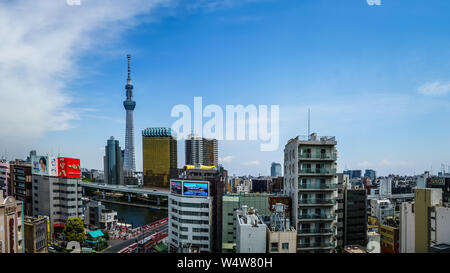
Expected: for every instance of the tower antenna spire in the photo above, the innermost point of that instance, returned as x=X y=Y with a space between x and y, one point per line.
x=309 y=121
x=129 y=66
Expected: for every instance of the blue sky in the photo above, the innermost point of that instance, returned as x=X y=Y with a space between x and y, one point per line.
x=376 y=77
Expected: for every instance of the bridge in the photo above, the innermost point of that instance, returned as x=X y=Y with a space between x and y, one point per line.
x=151 y=234
x=158 y=193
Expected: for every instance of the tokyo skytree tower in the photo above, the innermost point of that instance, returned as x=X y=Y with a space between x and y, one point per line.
x=129 y=162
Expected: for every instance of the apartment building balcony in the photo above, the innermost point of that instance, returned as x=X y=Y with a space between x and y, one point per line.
x=317 y=171
x=317 y=186
x=315 y=232
x=315 y=245
x=318 y=156
x=316 y=217
x=317 y=202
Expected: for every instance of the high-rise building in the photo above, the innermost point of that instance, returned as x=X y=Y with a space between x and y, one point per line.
x=129 y=104
x=310 y=180
x=275 y=169
x=58 y=195
x=20 y=185
x=424 y=199
x=159 y=154
x=4 y=177
x=343 y=185
x=355 y=217
x=201 y=151
x=190 y=216
x=353 y=174
x=11 y=225
x=113 y=163
x=217 y=178
x=371 y=174
x=251 y=233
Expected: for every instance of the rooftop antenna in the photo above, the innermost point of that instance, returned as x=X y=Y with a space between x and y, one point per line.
x=309 y=121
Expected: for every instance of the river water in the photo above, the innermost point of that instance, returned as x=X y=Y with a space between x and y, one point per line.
x=136 y=216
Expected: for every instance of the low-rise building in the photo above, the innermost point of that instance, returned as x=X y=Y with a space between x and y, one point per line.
x=251 y=232
x=389 y=236
x=281 y=236
x=36 y=234
x=97 y=216
x=11 y=225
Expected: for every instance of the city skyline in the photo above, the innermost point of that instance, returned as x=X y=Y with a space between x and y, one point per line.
x=379 y=86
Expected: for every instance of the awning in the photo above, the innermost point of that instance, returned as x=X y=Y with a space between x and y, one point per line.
x=96 y=233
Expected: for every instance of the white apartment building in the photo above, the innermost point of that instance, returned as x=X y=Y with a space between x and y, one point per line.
x=311 y=181
x=407 y=227
x=439 y=225
x=250 y=232
x=381 y=209
x=189 y=221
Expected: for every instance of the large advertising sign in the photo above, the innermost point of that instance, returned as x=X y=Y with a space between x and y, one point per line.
x=436 y=181
x=273 y=200
x=175 y=187
x=44 y=165
x=69 y=167
x=195 y=188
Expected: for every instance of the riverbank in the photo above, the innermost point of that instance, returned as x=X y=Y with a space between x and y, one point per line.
x=133 y=204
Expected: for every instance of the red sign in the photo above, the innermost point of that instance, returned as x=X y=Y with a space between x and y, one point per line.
x=69 y=167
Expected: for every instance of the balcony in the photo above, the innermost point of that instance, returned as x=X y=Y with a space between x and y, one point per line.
x=317 y=231
x=318 y=156
x=318 y=186
x=315 y=245
x=313 y=171
x=317 y=201
x=324 y=216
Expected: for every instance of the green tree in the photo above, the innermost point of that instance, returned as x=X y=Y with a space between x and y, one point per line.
x=74 y=230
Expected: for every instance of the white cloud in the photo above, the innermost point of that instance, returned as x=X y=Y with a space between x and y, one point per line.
x=226 y=159
x=42 y=40
x=252 y=163
x=434 y=89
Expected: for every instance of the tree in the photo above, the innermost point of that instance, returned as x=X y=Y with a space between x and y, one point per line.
x=74 y=230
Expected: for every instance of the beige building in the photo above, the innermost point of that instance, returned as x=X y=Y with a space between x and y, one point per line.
x=282 y=241
x=36 y=234
x=424 y=199
x=11 y=227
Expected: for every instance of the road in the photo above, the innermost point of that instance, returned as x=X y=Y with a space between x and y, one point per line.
x=116 y=248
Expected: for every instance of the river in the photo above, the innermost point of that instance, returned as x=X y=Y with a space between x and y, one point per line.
x=136 y=216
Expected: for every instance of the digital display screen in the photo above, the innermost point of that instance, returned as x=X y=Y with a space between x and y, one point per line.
x=175 y=187
x=195 y=189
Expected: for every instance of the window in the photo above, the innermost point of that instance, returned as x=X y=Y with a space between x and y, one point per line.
x=285 y=246
x=273 y=246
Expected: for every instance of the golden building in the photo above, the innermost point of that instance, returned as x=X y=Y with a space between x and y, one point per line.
x=159 y=154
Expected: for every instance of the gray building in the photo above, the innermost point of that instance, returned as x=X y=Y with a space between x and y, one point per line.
x=310 y=180
x=201 y=151
x=275 y=169
x=355 y=217
x=58 y=198
x=97 y=216
x=113 y=163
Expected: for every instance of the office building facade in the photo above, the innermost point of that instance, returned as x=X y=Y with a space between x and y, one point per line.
x=159 y=155
x=20 y=185
x=310 y=180
x=355 y=217
x=201 y=151
x=275 y=169
x=36 y=234
x=113 y=163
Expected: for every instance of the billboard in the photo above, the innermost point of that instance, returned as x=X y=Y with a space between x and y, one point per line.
x=44 y=165
x=175 y=187
x=69 y=167
x=436 y=181
x=195 y=188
